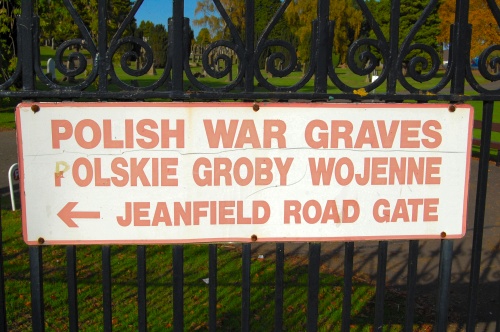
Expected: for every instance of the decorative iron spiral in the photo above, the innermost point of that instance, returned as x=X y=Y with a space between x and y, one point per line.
x=494 y=61
x=422 y=61
x=82 y=61
x=273 y=59
x=212 y=69
x=131 y=55
x=369 y=57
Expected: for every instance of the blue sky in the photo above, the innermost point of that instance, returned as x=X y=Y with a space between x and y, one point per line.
x=158 y=12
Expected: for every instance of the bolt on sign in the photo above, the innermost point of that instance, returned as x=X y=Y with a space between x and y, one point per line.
x=213 y=172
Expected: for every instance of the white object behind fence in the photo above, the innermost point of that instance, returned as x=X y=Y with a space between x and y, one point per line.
x=13 y=176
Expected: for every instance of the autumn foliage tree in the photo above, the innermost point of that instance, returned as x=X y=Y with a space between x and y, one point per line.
x=347 y=19
x=485 y=29
x=210 y=18
x=295 y=27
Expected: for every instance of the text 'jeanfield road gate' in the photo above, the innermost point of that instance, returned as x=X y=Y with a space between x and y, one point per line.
x=207 y=172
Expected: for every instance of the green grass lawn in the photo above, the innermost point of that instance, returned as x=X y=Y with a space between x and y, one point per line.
x=159 y=290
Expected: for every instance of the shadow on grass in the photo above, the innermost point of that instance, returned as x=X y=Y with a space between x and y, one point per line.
x=160 y=289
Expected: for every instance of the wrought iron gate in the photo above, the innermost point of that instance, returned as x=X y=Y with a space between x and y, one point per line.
x=249 y=51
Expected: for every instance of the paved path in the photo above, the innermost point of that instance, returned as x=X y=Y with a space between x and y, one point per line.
x=8 y=156
x=365 y=264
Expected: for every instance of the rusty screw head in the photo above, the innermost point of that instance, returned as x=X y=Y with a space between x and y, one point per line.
x=452 y=108
x=256 y=107
x=41 y=240
x=35 y=108
x=254 y=238
x=443 y=235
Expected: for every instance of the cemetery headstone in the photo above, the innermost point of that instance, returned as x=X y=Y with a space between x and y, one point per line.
x=51 y=69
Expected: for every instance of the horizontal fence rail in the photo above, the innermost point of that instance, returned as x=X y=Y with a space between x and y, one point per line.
x=247 y=64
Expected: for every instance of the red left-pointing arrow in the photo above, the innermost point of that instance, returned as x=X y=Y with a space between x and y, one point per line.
x=67 y=214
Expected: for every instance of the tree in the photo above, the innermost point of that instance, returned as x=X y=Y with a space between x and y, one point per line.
x=8 y=35
x=203 y=37
x=157 y=37
x=51 y=13
x=411 y=10
x=211 y=19
x=217 y=27
x=299 y=16
x=348 y=20
x=485 y=29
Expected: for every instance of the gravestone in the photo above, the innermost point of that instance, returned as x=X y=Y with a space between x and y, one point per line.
x=152 y=70
x=51 y=69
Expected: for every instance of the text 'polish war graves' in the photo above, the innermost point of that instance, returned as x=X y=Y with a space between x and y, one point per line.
x=188 y=172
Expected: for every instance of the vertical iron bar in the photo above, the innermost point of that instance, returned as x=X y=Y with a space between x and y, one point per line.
x=36 y=272
x=460 y=40
x=313 y=286
x=245 y=287
x=212 y=287
x=3 y=313
x=497 y=329
x=102 y=45
x=392 y=76
x=321 y=75
x=443 y=300
x=178 y=280
x=178 y=53
x=482 y=186
x=72 y=288
x=141 y=288
x=348 y=274
x=250 y=44
x=411 y=284
x=25 y=29
x=380 y=292
x=106 y=288
x=279 y=290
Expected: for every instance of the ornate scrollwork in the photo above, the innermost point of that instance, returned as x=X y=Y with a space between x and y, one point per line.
x=362 y=52
x=217 y=62
x=364 y=56
x=278 y=65
x=271 y=60
x=418 y=67
x=419 y=64
x=129 y=56
x=77 y=63
x=138 y=49
x=219 y=51
x=215 y=55
x=487 y=58
x=238 y=61
x=76 y=58
x=493 y=62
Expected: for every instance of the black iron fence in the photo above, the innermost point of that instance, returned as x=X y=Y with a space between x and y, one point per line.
x=248 y=64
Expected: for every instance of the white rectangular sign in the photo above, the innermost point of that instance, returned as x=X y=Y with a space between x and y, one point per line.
x=213 y=172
